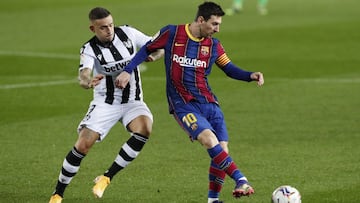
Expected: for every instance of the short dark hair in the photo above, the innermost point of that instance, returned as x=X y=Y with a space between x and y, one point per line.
x=207 y=9
x=98 y=13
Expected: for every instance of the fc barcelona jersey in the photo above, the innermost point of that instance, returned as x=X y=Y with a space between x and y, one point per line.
x=188 y=62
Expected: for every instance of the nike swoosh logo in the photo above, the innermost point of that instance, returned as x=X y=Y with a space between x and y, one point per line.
x=179 y=45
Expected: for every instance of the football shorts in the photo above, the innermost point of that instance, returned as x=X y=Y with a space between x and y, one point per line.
x=195 y=117
x=101 y=117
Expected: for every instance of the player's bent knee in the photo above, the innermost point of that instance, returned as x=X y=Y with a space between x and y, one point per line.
x=207 y=139
x=82 y=147
x=86 y=140
x=141 y=125
x=145 y=131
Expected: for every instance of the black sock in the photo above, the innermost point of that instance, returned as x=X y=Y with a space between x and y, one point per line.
x=70 y=167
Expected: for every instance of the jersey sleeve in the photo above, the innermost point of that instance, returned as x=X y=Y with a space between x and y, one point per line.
x=223 y=59
x=230 y=69
x=159 y=40
x=86 y=59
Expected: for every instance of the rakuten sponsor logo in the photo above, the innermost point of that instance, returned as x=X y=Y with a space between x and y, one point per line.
x=188 y=62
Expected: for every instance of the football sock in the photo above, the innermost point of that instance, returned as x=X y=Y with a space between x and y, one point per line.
x=216 y=181
x=128 y=152
x=224 y=162
x=70 y=167
x=212 y=200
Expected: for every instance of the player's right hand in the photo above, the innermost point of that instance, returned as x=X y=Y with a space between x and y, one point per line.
x=85 y=83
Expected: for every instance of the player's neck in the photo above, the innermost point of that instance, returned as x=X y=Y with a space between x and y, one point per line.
x=194 y=29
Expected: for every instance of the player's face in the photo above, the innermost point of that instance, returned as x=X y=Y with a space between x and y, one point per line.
x=211 y=26
x=103 y=29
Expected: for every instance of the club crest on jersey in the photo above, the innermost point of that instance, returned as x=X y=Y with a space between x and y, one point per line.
x=205 y=50
x=127 y=43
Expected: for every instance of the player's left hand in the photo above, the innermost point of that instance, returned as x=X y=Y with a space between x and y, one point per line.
x=258 y=76
x=122 y=80
x=96 y=80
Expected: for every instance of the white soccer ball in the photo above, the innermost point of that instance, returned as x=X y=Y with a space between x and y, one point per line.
x=286 y=194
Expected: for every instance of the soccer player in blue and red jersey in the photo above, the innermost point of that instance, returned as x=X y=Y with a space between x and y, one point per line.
x=190 y=52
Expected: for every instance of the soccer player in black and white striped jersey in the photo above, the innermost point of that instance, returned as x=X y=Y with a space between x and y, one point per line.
x=104 y=56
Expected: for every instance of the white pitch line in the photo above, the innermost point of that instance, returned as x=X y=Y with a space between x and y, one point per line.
x=38 y=84
x=322 y=80
x=338 y=80
x=39 y=54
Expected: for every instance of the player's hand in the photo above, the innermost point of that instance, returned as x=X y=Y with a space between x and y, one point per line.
x=85 y=83
x=96 y=80
x=258 y=76
x=122 y=80
x=88 y=83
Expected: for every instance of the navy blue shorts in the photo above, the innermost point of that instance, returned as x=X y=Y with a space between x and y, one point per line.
x=195 y=117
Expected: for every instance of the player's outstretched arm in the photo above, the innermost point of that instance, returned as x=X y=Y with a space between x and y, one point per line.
x=235 y=72
x=155 y=55
x=124 y=77
x=85 y=78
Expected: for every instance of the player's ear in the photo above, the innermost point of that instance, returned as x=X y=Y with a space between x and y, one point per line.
x=91 y=27
x=200 y=19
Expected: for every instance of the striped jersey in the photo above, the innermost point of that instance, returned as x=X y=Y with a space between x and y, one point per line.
x=188 y=62
x=110 y=59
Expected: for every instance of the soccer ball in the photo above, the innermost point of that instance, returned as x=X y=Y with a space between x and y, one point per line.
x=286 y=194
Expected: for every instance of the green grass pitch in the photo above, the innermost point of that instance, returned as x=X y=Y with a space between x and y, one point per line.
x=301 y=128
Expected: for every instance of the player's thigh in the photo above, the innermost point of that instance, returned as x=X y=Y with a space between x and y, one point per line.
x=192 y=121
x=217 y=121
x=137 y=118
